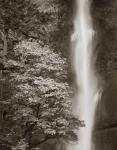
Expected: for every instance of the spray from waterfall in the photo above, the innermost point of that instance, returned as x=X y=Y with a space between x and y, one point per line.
x=87 y=95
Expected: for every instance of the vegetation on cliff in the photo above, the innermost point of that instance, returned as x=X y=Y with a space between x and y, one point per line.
x=35 y=94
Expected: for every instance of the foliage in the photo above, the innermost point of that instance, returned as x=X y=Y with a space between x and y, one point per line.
x=19 y=15
x=19 y=18
x=37 y=106
x=41 y=101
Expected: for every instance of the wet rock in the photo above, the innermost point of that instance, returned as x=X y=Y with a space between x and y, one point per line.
x=105 y=131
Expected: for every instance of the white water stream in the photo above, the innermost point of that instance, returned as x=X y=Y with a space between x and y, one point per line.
x=85 y=73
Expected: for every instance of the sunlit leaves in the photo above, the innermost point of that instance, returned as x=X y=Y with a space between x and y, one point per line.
x=41 y=99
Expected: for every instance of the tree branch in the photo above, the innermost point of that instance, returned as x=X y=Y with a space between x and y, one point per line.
x=5 y=142
x=44 y=140
x=29 y=36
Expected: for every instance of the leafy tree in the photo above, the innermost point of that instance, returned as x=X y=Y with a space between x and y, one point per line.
x=37 y=109
x=17 y=17
x=41 y=102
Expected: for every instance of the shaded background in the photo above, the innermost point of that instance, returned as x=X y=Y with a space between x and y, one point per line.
x=104 y=14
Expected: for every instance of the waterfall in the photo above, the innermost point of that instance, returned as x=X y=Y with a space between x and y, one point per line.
x=86 y=79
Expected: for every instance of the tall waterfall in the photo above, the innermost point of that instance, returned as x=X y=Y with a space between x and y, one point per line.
x=86 y=79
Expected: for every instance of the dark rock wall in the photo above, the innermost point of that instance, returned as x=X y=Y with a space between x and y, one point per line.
x=104 y=13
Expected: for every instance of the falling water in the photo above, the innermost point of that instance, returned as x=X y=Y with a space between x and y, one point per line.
x=85 y=72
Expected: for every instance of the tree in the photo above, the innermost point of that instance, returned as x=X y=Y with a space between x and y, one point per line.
x=38 y=108
x=41 y=102
x=17 y=17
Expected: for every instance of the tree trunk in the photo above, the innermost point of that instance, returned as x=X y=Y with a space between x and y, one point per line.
x=58 y=146
x=5 y=44
x=29 y=141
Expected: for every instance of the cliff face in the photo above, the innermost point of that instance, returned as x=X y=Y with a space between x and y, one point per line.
x=104 y=14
